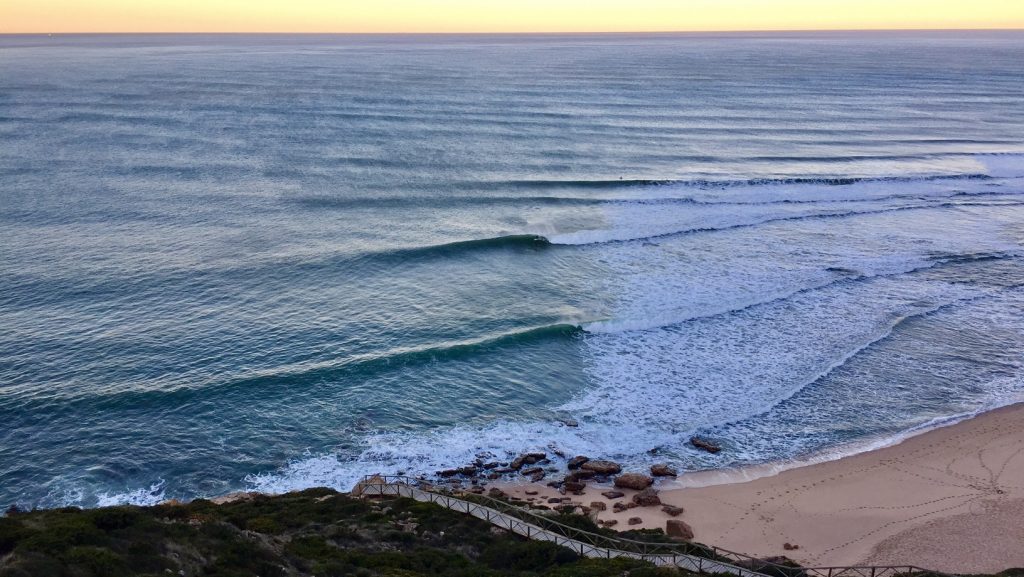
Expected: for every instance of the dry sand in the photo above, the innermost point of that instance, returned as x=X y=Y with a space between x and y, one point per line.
x=951 y=499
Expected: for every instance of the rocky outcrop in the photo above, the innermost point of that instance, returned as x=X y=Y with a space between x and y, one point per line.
x=635 y=481
x=612 y=495
x=635 y=521
x=574 y=486
x=527 y=459
x=662 y=470
x=672 y=510
x=705 y=445
x=679 y=530
x=598 y=506
x=647 y=498
x=576 y=462
x=602 y=467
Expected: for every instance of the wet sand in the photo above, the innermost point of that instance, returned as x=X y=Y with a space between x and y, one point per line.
x=950 y=499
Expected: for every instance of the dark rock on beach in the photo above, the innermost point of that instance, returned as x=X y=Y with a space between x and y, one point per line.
x=647 y=498
x=576 y=462
x=672 y=510
x=662 y=470
x=602 y=467
x=634 y=481
x=527 y=459
x=679 y=530
x=613 y=495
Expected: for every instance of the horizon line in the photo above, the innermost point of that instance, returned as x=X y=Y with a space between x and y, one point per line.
x=506 y=32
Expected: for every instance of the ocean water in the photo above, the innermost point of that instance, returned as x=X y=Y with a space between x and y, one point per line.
x=245 y=262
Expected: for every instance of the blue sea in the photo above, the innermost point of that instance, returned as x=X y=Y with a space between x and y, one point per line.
x=274 y=262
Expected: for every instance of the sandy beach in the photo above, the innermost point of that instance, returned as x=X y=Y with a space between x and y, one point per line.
x=950 y=499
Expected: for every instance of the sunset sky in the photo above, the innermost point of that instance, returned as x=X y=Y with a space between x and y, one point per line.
x=499 y=15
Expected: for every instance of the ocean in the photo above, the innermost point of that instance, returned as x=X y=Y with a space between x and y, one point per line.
x=275 y=262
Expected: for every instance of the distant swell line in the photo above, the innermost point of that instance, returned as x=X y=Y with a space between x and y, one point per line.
x=708 y=183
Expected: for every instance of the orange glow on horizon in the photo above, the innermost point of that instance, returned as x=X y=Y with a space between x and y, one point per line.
x=64 y=16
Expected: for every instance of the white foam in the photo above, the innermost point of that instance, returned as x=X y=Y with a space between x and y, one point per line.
x=143 y=497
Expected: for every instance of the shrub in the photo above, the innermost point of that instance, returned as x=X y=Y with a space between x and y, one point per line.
x=526 y=555
x=11 y=531
x=63 y=532
x=96 y=561
x=113 y=518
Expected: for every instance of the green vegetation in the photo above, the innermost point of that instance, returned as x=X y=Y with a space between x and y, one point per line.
x=316 y=532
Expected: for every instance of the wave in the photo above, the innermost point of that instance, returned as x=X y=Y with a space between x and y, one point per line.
x=309 y=373
x=510 y=242
x=853 y=353
x=844 y=276
x=590 y=237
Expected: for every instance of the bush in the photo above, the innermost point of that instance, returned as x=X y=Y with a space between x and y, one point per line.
x=526 y=555
x=11 y=531
x=96 y=561
x=63 y=532
x=114 y=518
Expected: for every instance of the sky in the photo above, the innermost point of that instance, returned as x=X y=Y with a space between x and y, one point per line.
x=55 y=16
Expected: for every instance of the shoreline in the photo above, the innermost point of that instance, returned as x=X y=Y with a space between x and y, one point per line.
x=948 y=498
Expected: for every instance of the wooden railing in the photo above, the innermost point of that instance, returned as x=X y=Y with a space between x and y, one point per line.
x=690 y=556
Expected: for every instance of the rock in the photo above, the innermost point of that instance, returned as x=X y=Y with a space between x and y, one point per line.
x=662 y=470
x=599 y=506
x=677 y=529
x=530 y=492
x=241 y=496
x=493 y=476
x=574 y=486
x=465 y=471
x=619 y=507
x=532 y=471
x=555 y=500
x=611 y=522
x=580 y=474
x=537 y=477
x=705 y=445
x=613 y=495
x=496 y=493
x=635 y=521
x=527 y=459
x=576 y=462
x=634 y=481
x=489 y=466
x=631 y=505
x=476 y=490
x=790 y=547
x=672 y=510
x=602 y=467
x=647 y=498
